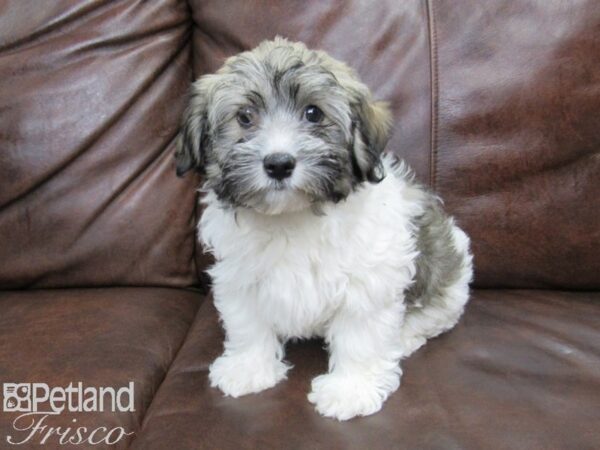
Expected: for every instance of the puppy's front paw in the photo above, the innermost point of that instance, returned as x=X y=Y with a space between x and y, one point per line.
x=344 y=396
x=238 y=375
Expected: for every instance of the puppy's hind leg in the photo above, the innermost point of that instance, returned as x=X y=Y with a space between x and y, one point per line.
x=441 y=310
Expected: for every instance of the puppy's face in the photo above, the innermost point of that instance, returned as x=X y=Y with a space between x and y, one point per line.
x=282 y=128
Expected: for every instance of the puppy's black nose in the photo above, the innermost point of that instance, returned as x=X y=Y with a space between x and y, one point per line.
x=279 y=165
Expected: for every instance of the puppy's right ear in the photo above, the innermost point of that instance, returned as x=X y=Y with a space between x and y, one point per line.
x=193 y=135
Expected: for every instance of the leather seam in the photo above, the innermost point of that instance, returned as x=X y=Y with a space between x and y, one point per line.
x=67 y=21
x=146 y=413
x=434 y=80
x=195 y=213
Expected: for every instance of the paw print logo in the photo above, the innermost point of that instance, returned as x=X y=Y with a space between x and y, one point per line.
x=17 y=397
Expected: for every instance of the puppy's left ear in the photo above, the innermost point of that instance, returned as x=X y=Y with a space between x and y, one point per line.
x=371 y=131
x=193 y=136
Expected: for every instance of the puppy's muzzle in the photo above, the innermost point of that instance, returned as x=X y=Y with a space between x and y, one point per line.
x=279 y=165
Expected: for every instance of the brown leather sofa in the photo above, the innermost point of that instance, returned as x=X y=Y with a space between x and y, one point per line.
x=497 y=107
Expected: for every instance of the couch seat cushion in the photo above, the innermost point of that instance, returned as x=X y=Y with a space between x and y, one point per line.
x=100 y=337
x=521 y=370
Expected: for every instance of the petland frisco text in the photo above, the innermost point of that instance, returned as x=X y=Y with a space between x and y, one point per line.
x=38 y=403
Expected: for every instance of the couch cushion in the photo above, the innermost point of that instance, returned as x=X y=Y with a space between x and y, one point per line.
x=517 y=136
x=100 y=337
x=386 y=42
x=395 y=65
x=520 y=371
x=495 y=106
x=91 y=95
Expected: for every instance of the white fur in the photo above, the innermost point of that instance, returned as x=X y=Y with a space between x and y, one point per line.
x=340 y=275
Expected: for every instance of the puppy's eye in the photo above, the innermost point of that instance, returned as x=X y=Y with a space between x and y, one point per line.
x=246 y=116
x=313 y=114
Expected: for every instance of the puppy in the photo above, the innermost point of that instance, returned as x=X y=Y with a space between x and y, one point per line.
x=314 y=232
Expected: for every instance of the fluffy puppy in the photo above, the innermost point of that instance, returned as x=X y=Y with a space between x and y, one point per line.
x=314 y=232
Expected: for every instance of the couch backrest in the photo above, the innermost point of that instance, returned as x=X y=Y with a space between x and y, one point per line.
x=517 y=136
x=496 y=105
x=90 y=100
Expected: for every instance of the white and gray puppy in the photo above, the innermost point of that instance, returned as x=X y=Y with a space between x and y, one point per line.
x=314 y=232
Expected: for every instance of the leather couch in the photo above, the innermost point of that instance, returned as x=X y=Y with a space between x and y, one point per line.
x=497 y=108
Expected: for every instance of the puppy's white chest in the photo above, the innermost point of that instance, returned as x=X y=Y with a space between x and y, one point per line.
x=296 y=271
x=291 y=275
x=298 y=284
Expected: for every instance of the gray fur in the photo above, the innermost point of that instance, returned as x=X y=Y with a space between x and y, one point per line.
x=439 y=263
x=279 y=80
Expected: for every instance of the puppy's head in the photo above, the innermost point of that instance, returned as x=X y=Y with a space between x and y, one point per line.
x=281 y=128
